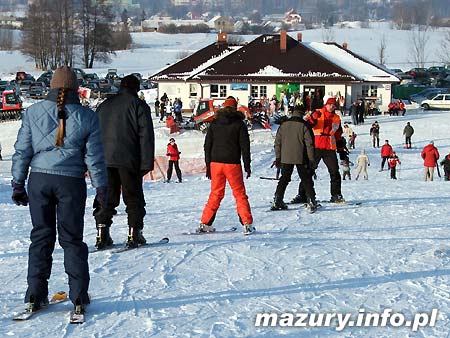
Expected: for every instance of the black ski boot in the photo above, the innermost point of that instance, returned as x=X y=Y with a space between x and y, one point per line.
x=337 y=199
x=278 y=204
x=299 y=199
x=135 y=238
x=35 y=305
x=103 y=239
x=312 y=206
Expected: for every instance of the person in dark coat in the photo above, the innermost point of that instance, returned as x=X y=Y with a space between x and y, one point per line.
x=446 y=163
x=408 y=131
x=360 y=112
x=59 y=140
x=129 y=142
x=375 y=133
x=294 y=146
x=174 y=157
x=226 y=141
x=354 y=113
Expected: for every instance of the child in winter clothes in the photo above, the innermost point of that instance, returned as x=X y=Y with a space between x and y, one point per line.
x=174 y=157
x=362 y=162
x=392 y=163
x=446 y=163
x=352 y=141
x=346 y=169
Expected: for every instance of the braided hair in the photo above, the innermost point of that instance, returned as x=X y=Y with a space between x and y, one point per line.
x=61 y=132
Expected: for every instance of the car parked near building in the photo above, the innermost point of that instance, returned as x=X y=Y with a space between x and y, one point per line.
x=440 y=101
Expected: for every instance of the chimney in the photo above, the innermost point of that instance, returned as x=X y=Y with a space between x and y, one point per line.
x=299 y=37
x=345 y=45
x=283 y=43
x=222 y=37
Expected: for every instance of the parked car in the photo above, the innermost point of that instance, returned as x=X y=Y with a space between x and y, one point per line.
x=91 y=76
x=25 y=86
x=38 y=90
x=440 y=101
x=418 y=72
x=428 y=93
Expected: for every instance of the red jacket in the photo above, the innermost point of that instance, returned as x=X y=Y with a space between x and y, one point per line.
x=392 y=162
x=172 y=152
x=430 y=155
x=386 y=150
x=327 y=130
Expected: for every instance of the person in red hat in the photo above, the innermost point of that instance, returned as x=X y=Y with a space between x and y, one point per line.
x=327 y=129
x=226 y=141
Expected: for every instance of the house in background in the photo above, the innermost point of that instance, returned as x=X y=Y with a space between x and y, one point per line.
x=273 y=63
x=221 y=24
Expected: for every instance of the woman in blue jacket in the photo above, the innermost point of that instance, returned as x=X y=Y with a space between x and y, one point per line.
x=59 y=140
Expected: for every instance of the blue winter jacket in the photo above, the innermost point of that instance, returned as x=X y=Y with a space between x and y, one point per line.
x=82 y=150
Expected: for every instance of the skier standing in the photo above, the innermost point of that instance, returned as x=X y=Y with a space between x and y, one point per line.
x=1 y=158
x=392 y=163
x=386 y=153
x=430 y=155
x=362 y=162
x=408 y=131
x=294 y=146
x=375 y=133
x=446 y=163
x=129 y=142
x=226 y=141
x=174 y=157
x=327 y=129
x=59 y=139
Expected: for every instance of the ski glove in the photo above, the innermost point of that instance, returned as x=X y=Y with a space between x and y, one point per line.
x=102 y=196
x=19 y=195
x=343 y=155
x=312 y=165
x=276 y=163
x=208 y=171
x=249 y=172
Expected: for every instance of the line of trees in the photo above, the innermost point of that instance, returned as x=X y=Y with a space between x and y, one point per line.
x=61 y=32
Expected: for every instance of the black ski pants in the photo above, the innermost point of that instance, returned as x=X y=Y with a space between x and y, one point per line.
x=170 y=170
x=408 y=141
x=130 y=182
x=329 y=157
x=305 y=178
x=57 y=206
x=383 y=161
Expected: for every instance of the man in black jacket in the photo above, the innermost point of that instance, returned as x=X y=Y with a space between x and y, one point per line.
x=129 y=145
x=226 y=141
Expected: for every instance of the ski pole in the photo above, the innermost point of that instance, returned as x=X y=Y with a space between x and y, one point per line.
x=438 y=171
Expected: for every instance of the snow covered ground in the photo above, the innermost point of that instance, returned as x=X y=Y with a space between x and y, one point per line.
x=343 y=258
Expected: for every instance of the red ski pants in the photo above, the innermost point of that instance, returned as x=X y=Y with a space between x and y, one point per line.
x=220 y=174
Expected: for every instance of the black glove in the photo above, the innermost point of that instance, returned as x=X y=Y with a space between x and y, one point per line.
x=368 y=164
x=343 y=155
x=101 y=198
x=249 y=172
x=19 y=195
x=208 y=171
x=276 y=163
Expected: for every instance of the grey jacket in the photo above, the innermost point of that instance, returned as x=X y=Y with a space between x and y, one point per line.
x=82 y=149
x=408 y=131
x=294 y=142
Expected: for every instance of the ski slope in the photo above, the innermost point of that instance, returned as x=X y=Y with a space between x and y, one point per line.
x=343 y=258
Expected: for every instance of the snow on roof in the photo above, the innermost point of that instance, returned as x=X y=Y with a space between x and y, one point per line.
x=354 y=65
x=273 y=71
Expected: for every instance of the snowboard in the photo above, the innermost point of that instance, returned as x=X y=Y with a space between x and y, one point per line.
x=58 y=297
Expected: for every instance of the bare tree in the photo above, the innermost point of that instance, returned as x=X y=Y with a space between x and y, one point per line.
x=382 y=50
x=418 y=45
x=445 y=52
x=327 y=35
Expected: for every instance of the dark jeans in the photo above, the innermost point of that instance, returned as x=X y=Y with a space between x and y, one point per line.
x=170 y=169
x=57 y=206
x=130 y=181
x=408 y=141
x=305 y=178
x=330 y=159
x=393 y=172
x=383 y=161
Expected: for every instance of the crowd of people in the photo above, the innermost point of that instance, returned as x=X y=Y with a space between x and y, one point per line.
x=116 y=146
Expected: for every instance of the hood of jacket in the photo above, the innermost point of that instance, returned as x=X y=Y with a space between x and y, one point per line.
x=228 y=115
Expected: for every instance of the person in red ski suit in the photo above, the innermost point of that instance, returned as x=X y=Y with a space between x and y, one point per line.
x=386 y=153
x=174 y=157
x=392 y=163
x=430 y=155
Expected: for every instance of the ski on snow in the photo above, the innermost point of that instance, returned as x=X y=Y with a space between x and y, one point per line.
x=26 y=314
x=229 y=230
x=162 y=241
x=76 y=317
